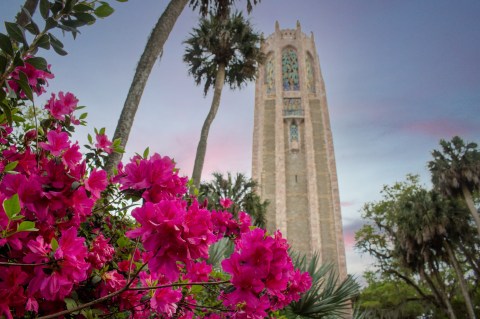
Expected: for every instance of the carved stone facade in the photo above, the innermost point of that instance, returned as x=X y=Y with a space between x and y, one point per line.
x=293 y=157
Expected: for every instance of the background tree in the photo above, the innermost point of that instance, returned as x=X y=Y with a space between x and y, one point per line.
x=150 y=55
x=456 y=172
x=241 y=190
x=410 y=232
x=387 y=297
x=220 y=50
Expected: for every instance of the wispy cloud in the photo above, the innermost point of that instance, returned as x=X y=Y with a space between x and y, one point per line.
x=440 y=128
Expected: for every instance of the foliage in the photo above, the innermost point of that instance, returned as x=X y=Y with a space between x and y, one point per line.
x=328 y=298
x=409 y=233
x=390 y=298
x=456 y=164
x=69 y=247
x=240 y=190
x=231 y=42
x=218 y=7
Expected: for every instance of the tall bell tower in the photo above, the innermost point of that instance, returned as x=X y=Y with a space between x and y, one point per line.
x=293 y=157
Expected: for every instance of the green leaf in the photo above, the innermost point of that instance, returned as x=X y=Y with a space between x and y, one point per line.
x=122 y=0
x=3 y=64
x=7 y=111
x=32 y=28
x=104 y=10
x=84 y=17
x=26 y=226
x=57 y=48
x=145 y=152
x=50 y=23
x=54 y=244
x=44 y=42
x=90 y=139
x=82 y=7
x=102 y=131
x=23 y=82
x=11 y=206
x=83 y=116
x=44 y=8
x=123 y=241
x=15 y=32
x=96 y=279
x=6 y=44
x=38 y=62
x=17 y=60
x=71 y=304
x=10 y=166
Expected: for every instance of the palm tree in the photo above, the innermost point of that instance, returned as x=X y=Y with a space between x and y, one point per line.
x=429 y=228
x=150 y=55
x=456 y=172
x=220 y=50
x=241 y=190
x=327 y=298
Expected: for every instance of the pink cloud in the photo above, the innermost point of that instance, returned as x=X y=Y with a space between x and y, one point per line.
x=347 y=203
x=441 y=128
x=349 y=239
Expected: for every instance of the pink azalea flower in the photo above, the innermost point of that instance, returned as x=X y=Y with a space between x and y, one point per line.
x=36 y=78
x=96 y=182
x=103 y=143
x=55 y=281
x=164 y=301
x=72 y=156
x=64 y=105
x=172 y=235
x=100 y=252
x=261 y=272
x=157 y=177
x=226 y=202
x=198 y=271
x=112 y=281
x=57 y=142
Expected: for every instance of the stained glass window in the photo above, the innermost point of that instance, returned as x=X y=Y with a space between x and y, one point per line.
x=293 y=132
x=270 y=76
x=290 y=70
x=310 y=74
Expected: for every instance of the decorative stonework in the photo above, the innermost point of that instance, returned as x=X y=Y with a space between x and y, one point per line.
x=293 y=156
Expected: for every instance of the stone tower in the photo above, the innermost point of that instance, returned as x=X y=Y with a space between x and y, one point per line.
x=293 y=158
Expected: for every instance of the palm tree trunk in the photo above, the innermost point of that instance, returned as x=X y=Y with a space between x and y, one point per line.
x=202 y=144
x=471 y=260
x=461 y=280
x=153 y=49
x=467 y=195
x=440 y=294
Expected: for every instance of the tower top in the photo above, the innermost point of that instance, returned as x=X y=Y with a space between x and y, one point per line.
x=295 y=34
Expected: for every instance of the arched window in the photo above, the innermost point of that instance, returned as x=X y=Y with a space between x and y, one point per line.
x=270 y=75
x=310 y=73
x=290 y=77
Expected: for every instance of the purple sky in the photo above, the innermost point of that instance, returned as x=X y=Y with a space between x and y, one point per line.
x=399 y=76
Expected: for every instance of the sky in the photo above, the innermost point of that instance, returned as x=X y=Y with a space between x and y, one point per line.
x=399 y=76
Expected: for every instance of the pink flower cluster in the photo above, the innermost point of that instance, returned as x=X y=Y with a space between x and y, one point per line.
x=37 y=79
x=58 y=249
x=56 y=195
x=156 y=178
x=263 y=275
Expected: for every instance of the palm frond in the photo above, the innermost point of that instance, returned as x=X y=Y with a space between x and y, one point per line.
x=328 y=297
